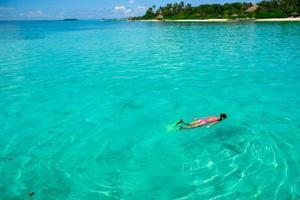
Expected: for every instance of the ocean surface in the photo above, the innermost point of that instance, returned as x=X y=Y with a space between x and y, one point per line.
x=87 y=110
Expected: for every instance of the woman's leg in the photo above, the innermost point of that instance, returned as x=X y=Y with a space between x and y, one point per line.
x=195 y=125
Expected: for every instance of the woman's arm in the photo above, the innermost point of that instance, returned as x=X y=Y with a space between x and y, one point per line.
x=212 y=124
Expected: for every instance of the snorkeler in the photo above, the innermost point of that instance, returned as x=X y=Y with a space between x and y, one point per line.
x=201 y=122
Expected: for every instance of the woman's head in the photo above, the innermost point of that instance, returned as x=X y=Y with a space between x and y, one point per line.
x=223 y=116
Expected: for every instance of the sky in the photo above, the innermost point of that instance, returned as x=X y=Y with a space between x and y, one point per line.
x=82 y=9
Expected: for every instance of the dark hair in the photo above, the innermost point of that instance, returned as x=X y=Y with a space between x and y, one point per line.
x=223 y=115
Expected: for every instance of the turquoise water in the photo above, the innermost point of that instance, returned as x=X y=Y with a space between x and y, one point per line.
x=87 y=110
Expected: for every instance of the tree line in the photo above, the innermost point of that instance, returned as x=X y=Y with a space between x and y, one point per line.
x=263 y=9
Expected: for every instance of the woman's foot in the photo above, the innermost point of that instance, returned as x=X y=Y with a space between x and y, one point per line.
x=179 y=122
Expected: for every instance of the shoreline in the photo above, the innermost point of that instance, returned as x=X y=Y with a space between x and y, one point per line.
x=148 y=20
x=296 y=19
x=290 y=19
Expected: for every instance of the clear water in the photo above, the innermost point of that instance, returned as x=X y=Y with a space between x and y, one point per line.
x=87 y=107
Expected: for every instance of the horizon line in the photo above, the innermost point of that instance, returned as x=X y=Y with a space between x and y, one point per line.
x=77 y=19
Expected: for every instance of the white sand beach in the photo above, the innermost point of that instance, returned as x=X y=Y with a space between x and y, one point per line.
x=148 y=20
x=290 y=19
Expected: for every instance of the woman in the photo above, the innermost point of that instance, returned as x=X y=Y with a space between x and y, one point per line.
x=212 y=120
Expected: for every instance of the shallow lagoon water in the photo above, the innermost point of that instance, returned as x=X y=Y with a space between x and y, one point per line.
x=87 y=107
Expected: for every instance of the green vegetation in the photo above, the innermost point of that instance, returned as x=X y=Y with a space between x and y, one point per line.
x=263 y=9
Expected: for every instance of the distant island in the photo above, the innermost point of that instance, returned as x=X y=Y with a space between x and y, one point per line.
x=227 y=11
x=71 y=19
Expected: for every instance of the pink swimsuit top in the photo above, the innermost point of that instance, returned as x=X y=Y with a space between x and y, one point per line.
x=206 y=121
x=203 y=121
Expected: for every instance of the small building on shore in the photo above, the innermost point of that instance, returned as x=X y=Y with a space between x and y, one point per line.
x=252 y=8
x=160 y=17
x=294 y=14
x=234 y=15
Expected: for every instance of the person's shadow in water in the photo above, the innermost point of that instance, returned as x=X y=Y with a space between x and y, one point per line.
x=233 y=138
